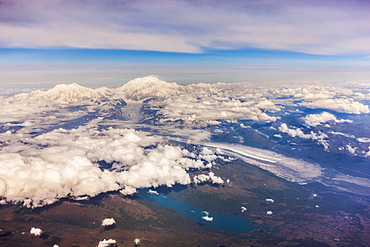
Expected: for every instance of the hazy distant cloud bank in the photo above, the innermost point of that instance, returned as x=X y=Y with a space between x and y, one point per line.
x=316 y=27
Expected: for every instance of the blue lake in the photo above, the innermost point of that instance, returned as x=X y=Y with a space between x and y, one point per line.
x=222 y=222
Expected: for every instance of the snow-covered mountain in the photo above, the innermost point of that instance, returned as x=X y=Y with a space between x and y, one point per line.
x=149 y=87
x=63 y=93
x=137 y=89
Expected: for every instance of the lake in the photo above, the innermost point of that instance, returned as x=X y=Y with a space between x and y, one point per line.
x=222 y=222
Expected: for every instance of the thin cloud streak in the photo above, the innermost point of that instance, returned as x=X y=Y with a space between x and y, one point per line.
x=333 y=27
x=44 y=75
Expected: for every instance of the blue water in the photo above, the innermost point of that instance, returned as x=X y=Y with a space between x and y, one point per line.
x=222 y=222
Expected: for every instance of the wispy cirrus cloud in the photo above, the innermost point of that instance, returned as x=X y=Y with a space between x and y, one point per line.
x=311 y=27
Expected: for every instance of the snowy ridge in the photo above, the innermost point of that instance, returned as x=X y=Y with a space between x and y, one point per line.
x=137 y=89
x=63 y=93
x=149 y=87
x=152 y=87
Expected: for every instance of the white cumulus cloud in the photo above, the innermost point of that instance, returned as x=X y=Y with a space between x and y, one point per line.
x=108 y=222
x=318 y=119
x=211 y=177
x=64 y=163
x=137 y=241
x=297 y=132
x=106 y=242
x=206 y=216
x=35 y=231
x=211 y=110
x=346 y=105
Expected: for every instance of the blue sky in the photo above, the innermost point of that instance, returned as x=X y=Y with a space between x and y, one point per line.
x=46 y=42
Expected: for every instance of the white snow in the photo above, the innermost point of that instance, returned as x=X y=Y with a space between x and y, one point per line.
x=147 y=87
x=63 y=93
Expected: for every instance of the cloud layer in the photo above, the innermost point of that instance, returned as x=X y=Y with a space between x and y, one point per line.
x=187 y=26
x=64 y=163
x=341 y=105
x=195 y=110
x=41 y=162
x=324 y=117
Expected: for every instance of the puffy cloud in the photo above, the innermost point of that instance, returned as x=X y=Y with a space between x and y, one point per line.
x=215 y=179
x=361 y=96
x=154 y=192
x=108 y=222
x=206 y=216
x=267 y=105
x=293 y=132
x=346 y=105
x=40 y=110
x=65 y=163
x=210 y=177
x=317 y=119
x=12 y=91
x=307 y=92
x=35 y=231
x=196 y=104
x=40 y=169
x=363 y=139
x=106 y=242
x=297 y=132
x=200 y=178
x=13 y=111
x=128 y=190
x=314 y=92
x=137 y=241
x=211 y=110
x=351 y=149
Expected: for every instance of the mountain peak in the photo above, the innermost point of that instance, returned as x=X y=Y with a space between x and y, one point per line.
x=145 y=82
x=148 y=87
x=65 y=88
x=70 y=93
x=65 y=93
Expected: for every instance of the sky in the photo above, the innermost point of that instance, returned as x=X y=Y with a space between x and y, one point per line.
x=107 y=42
